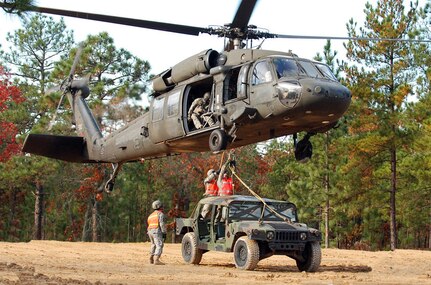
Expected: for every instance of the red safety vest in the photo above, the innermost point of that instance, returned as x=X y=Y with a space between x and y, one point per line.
x=153 y=220
x=211 y=188
x=227 y=187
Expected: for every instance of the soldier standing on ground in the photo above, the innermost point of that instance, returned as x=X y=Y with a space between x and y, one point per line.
x=157 y=232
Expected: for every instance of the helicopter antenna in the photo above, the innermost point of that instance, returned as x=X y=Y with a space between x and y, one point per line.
x=261 y=43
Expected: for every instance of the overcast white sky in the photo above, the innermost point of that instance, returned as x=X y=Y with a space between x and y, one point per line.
x=163 y=49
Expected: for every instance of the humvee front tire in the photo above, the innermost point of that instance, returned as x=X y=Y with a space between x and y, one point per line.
x=191 y=253
x=246 y=253
x=312 y=257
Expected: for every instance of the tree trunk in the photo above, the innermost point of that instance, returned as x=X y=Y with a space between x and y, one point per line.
x=38 y=212
x=429 y=234
x=85 y=227
x=393 y=223
x=95 y=228
x=327 y=206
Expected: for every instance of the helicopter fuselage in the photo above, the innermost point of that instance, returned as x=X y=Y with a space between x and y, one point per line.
x=255 y=95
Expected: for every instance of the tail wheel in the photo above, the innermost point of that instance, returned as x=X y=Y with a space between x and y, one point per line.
x=312 y=257
x=218 y=140
x=189 y=249
x=246 y=253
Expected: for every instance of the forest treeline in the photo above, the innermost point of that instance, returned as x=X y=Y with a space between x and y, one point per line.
x=367 y=186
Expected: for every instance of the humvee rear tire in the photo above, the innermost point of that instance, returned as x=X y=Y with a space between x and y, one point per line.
x=218 y=140
x=246 y=253
x=191 y=253
x=312 y=257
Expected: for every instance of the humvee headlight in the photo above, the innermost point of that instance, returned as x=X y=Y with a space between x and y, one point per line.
x=303 y=236
x=255 y=232
x=270 y=235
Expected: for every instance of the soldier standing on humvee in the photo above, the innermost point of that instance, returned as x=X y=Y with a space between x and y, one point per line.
x=224 y=182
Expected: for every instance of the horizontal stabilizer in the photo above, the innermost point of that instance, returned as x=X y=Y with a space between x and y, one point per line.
x=67 y=148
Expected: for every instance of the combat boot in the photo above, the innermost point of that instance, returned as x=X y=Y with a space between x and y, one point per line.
x=157 y=261
x=151 y=259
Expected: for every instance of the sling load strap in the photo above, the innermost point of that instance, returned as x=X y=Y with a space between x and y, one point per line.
x=259 y=198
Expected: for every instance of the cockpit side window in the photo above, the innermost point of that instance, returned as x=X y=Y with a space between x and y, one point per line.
x=261 y=73
x=286 y=67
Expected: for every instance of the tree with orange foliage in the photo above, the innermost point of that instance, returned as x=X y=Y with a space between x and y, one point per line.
x=89 y=196
x=9 y=95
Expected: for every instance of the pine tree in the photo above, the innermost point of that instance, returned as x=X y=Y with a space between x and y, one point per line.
x=387 y=74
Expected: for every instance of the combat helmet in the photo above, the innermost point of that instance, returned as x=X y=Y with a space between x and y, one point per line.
x=157 y=205
x=211 y=171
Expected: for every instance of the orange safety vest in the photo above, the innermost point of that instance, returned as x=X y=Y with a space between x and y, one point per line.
x=227 y=187
x=153 y=220
x=211 y=188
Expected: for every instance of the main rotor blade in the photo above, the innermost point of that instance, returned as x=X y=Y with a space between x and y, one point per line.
x=167 y=27
x=76 y=60
x=302 y=37
x=243 y=14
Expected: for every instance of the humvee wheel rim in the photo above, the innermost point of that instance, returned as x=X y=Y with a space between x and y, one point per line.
x=187 y=248
x=246 y=253
x=242 y=254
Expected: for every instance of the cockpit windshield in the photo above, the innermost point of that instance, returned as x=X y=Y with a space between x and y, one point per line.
x=253 y=211
x=286 y=67
x=310 y=68
x=326 y=71
x=290 y=67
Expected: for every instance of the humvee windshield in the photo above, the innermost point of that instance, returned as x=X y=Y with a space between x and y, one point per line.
x=252 y=211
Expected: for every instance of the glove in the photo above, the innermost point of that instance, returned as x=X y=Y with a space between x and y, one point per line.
x=164 y=236
x=232 y=163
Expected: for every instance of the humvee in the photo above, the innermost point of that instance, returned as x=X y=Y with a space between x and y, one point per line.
x=251 y=229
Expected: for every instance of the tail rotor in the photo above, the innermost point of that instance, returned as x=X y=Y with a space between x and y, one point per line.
x=67 y=84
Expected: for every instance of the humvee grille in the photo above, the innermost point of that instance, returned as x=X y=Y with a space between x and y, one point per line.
x=287 y=236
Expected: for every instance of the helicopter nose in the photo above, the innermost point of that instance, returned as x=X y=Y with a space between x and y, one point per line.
x=324 y=101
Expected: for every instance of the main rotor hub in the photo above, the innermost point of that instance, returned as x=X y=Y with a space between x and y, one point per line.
x=237 y=35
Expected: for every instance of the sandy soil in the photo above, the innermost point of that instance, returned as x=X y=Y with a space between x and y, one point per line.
x=53 y=262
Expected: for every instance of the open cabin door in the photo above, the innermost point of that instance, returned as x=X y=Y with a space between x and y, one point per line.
x=166 y=117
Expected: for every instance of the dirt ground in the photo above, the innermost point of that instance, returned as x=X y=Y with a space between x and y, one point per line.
x=53 y=262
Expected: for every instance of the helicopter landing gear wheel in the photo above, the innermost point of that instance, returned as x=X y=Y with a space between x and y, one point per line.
x=218 y=140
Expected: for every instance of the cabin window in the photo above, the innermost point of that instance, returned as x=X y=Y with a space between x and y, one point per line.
x=286 y=67
x=158 y=108
x=173 y=104
x=310 y=69
x=231 y=85
x=261 y=73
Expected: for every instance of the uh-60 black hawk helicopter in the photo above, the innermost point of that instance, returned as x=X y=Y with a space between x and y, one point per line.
x=254 y=95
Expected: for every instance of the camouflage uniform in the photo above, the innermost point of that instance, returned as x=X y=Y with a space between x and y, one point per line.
x=197 y=112
x=157 y=236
